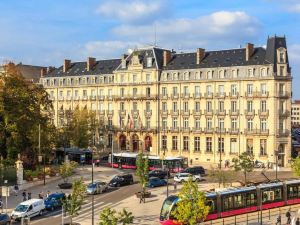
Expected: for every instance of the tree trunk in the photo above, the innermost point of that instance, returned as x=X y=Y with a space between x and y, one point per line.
x=245 y=174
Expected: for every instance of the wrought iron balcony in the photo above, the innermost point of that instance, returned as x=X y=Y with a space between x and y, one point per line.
x=249 y=113
x=197 y=112
x=185 y=112
x=233 y=94
x=234 y=113
x=263 y=112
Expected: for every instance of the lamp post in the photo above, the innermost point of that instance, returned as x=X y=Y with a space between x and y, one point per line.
x=276 y=165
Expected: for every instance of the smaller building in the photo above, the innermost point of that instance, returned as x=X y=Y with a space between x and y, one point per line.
x=295 y=118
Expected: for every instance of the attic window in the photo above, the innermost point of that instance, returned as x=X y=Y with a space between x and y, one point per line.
x=215 y=60
x=227 y=59
x=149 y=61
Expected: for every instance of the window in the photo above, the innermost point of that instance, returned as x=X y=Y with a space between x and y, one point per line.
x=233 y=145
x=233 y=89
x=221 y=145
x=209 y=106
x=234 y=73
x=134 y=92
x=197 y=123
x=84 y=93
x=164 y=122
x=134 y=106
x=263 y=89
x=148 y=123
x=164 y=91
x=263 y=124
x=186 y=122
x=209 y=123
x=122 y=78
x=149 y=61
x=148 y=77
x=281 y=72
x=109 y=92
x=61 y=94
x=221 y=124
x=263 y=147
x=197 y=91
x=263 y=106
x=221 y=106
x=135 y=123
x=148 y=107
x=249 y=146
x=197 y=144
x=174 y=143
x=122 y=92
x=101 y=106
x=174 y=122
x=249 y=89
x=208 y=90
x=122 y=122
x=164 y=106
x=134 y=77
x=122 y=106
x=233 y=106
x=186 y=76
x=109 y=106
x=249 y=106
x=250 y=73
x=175 y=91
x=93 y=94
x=197 y=106
x=185 y=143
x=221 y=90
x=209 y=75
x=281 y=89
x=186 y=91
x=208 y=144
x=185 y=106
x=52 y=93
x=263 y=72
x=281 y=57
x=250 y=124
x=233 y=124
x=174 y=106
x=164 y=142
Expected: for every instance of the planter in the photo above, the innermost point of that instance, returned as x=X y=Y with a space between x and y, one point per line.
x=65 y=185
x=146 y=194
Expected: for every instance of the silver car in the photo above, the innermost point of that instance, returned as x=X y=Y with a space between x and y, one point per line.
x=96 y=188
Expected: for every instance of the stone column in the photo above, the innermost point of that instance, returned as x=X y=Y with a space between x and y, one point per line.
x=19 y=166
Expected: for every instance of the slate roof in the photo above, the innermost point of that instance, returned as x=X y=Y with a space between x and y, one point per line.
x=80 y=68
x=30 y=72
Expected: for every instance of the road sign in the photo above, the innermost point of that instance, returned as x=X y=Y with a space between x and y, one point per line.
x=5 y=191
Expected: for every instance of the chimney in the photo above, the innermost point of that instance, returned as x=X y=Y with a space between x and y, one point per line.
x=249 y=51
x=90 y=63
x=43 y=72
x=67 y=64
x=200 y=55
x=167 y=57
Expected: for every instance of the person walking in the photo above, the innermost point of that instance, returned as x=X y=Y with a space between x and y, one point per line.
x=48 y=193
x=29 y=195
x=24 y=195
x=288 y=216
x=175 y=185
x=278 y=220
x=16 y=189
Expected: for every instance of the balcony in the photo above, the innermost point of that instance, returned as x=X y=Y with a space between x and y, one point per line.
x=76 y=98
x=197 y=96
x=185 y=95
x=122 y=112
x=174 y=129
x=283 y=133
x=220 y=95
x=52 y=98
x=233 y=131
x=263 y=132
x=174 y=96
x=208 y=130
x=249 y=94
x=134 y=112
x=208 y=95
x=208 y=112
x=164 y=112
x=284 y=94
x=284 y=113
x=164 y=129
x=69 y=98
x=185 y=129
x=93 y=97
x=261 y=94
x=233 y=94
x=197 y=112
x=174 y=112
x=220 y=130
x=234 y=113
x=101 y=112
x=249 y=113
x=164 y=97
x=148 y=113
x=197 y=130
x=185 y=112
x=101 y=97
x=60 y=98
x=263 y=113
x=109 y=97
x=61 y=112
x=110 y=112
x=221 y=112
x=149 y=129
x=85 y=98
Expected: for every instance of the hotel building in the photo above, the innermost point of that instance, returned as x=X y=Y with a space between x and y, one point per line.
x=197 y=104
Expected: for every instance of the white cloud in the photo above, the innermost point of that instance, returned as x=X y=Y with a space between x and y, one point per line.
x=134 y=11
x=210 y=30
x=295 y=8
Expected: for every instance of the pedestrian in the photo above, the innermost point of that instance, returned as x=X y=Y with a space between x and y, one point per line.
x=16 y=189
x=48 y=193
x=191 y=161
x=297 y=221
x=175 y=185
x=29 y=195
x=41 y=195
x=288 y=216
x=278 y=220
x=24 y=195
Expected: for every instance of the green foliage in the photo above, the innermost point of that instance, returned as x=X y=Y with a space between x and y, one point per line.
x=73 y=202
x=142 y=170
x=67 y=169
x=108 y=217
x=222 y=177
x=296 y=166
x=191 y=209
x=244 y=163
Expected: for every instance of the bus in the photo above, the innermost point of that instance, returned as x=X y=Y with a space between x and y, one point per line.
x=236 y=201
x=127 y=160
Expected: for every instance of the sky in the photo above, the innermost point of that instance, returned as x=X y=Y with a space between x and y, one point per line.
x=45 y=32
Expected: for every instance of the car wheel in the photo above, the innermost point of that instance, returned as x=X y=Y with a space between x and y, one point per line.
x=131 y=182
x=197 y=180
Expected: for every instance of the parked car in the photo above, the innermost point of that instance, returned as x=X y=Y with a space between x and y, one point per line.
x=182 y=177
x=121 y=180
x=196 y=170
x=97 y=187
x=159 y=173
x=29 y=208
x=156 y=182
x=54 y=201
x=4 y=219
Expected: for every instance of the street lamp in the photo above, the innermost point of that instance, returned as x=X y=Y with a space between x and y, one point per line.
x=220 y=148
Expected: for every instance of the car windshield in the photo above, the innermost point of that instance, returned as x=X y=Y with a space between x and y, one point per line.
x=21 y=208
x=92 y=185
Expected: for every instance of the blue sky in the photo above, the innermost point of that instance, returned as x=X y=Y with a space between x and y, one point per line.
x=44 y=32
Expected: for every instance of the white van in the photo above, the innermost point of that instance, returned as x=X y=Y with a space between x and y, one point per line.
x=29 y=208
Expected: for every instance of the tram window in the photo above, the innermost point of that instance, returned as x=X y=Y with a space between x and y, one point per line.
x=238 y=201
x=211 y=205
x=228 y=203
x=250 y=199
x=278 y=194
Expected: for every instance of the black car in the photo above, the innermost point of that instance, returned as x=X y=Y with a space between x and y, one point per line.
x=196 y=170
x=121 y=180
x=161 y=174
x=4 y=219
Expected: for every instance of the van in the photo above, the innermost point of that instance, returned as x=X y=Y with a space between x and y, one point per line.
x=121 y=180
x=29 y=208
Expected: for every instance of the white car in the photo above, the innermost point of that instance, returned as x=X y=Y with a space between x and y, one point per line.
x=181 y=177
x=97 y=187
x=29 y=208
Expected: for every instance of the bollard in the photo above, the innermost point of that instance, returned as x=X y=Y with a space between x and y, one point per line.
x=27 y=221
x=22 y=221
x=223 y=221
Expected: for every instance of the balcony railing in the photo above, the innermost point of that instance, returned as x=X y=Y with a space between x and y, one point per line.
x=174 y=113
x=101 y=97
x=148 y=112
x=233 y=131
x=76 y=98
x=283 y=94
x=69 y=98
x=185 y=112
x=85 y=97
x=174 y=96
x=257 y=131
x=208 y=95
x=185 y=95
x=110 y=112
x=234 y=113
x=263 y=113
x=185 y=129
x=174 y=129
x=101 y=112
x=208 y=130
x=197 y=130
x=249 y=94
x=197 y=112
x=164 y=96
x=122 y=112
x=261 y=94
x=93 y=97
x=284 y=113
x=233 y=94
x=220 y=95
x=208 y=112
x=164 y=112
x=134 y=112
x=283 y=133
x=221 y=113
x=197 y=96
x=249 y=113
x=220 y=130
x=60 y=98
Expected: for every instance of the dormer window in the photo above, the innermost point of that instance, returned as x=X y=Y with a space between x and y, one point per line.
x=123 y=64
x=281 y=57
x=149 y=61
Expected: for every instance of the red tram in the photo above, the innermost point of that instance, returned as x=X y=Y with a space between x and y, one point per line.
x=236 y=201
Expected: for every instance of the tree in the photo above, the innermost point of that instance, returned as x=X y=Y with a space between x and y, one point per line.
x=296 y=166
x=142 y=172
x=244 y=163
x=109 y=217
x=222 y=177
x=191 y=208
x=67 y=169
x=73 y=202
